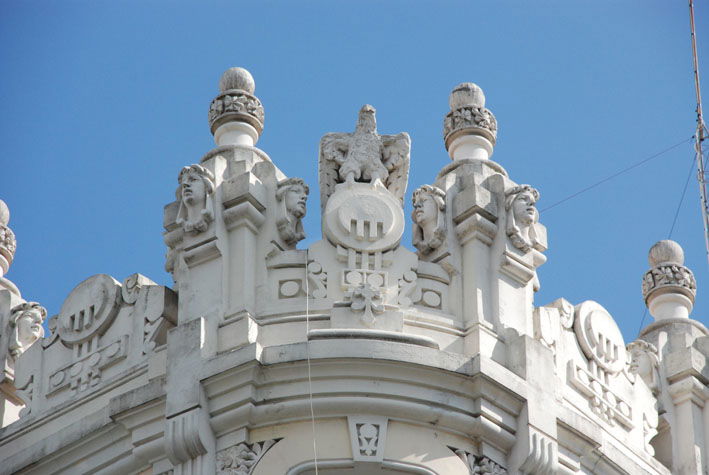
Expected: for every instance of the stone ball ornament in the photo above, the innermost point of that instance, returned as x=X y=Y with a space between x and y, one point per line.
x=666 y=252
x=237 y=78
x=466 y=94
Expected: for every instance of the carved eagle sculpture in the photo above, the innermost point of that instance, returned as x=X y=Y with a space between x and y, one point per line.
x=364 y=156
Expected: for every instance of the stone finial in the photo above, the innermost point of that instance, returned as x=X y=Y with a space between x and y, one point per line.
x=8 y=244
x=668 y=287
x=469 y=129
x=236 y=116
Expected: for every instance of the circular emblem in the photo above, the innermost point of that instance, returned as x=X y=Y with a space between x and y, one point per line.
x=363 y=217
x=600 y=337
x=89 y=309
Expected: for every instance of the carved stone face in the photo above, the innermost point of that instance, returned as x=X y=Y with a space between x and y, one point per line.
x=193 y=189
x=295 y=199
x=523 y=208
x=425 y=210
x=29 y=327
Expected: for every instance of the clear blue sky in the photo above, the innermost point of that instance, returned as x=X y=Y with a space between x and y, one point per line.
x=103 y=102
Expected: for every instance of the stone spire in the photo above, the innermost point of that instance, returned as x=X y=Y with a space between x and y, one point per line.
x=469 y=129
x=236 y=116
x=7 y=240
x=668 y=287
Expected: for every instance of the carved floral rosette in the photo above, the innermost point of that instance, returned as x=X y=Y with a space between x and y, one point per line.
x=239 y=105
x=669 y=277
x=462 y=119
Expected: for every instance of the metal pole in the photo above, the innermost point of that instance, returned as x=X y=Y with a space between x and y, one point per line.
x=700 y=133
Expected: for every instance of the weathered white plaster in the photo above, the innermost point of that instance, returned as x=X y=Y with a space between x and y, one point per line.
x=355 y=355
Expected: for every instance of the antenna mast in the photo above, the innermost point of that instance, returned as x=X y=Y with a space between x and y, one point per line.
x=700 y=134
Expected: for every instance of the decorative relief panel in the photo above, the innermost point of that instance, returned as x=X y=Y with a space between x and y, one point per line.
x=603 y=401
x=241 y=459
x=87 y=371
x=408 y=291
x=317 y=280
x=368 y=436
x=368 y=300
x=479 y=464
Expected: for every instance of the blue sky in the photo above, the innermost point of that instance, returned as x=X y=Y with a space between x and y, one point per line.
x=103 y=102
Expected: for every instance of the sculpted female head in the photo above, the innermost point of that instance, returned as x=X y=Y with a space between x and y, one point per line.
x=26 y=324
x=521 y=216
x=196 y=187
x=292 y=196
x=429 y=218
x=294 y=193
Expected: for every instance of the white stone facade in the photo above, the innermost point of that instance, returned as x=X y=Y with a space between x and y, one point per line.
x=356 y=355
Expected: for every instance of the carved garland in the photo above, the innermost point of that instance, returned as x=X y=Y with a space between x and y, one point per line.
x=7 y=240
x=470 y=116
x=236 y=102
x=671 y=275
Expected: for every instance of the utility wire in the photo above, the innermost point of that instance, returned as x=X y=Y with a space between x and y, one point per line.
x=624 y=170
x=684 y=191
x=307 y=353
x=674 y=222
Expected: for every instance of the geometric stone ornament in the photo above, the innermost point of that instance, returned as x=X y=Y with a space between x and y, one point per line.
x=363 y=217
x=368 y=436
x=603 y=400
x=599 y=337
x=479 y=464
x=86 y=372
x=241 y=459
x=131 y=287
x=89 y=309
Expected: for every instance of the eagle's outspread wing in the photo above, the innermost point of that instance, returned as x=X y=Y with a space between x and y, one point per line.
x=395 y=157
x=333 y=153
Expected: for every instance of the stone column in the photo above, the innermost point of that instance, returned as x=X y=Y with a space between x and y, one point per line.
x=683 y=343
